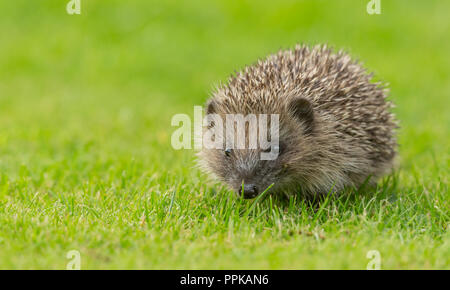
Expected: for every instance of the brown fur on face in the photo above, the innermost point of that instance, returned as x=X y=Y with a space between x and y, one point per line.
x=336 y=129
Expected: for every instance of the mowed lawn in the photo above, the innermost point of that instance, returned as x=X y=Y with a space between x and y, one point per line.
x=86 y=162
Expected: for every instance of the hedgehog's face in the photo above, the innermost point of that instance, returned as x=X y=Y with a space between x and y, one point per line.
x=248 y=171
x=245 y=172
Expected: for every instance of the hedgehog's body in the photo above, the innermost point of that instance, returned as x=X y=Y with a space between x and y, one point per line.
x=335 y=126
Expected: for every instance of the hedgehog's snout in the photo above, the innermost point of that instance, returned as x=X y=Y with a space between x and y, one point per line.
x=249 y=191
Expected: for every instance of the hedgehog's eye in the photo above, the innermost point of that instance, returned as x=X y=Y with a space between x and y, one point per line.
x=228 y=152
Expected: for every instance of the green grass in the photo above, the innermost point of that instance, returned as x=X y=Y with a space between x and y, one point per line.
x=85 y=156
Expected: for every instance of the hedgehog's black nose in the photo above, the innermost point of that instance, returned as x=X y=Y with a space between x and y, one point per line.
x=250 y=190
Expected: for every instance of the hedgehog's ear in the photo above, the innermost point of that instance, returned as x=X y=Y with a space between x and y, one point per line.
x=210 y=107
x=303 y=110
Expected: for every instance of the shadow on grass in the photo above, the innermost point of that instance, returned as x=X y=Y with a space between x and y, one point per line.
x=386 y=189
x=387 y=205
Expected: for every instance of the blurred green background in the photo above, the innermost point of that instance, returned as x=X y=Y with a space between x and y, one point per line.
x=85 y=108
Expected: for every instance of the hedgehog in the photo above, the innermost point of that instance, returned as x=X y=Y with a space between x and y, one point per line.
x=336 y=129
